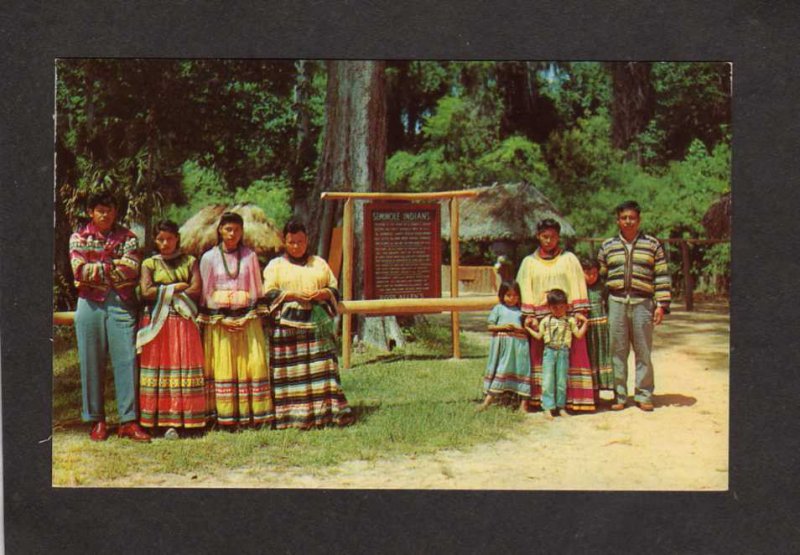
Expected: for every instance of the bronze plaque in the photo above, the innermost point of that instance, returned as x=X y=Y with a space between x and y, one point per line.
x=402 y=250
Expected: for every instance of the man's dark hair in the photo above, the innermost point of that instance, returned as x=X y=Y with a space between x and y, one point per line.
x=294 y=226
x=556 y=296
x=629 y=205
x=101 y=198
x=548 y=223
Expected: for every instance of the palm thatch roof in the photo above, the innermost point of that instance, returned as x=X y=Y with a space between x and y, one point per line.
x=717 y=219
x=504 y=211
x=199 y=233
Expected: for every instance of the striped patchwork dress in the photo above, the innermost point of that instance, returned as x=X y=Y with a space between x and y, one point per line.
x=236 y=364
x=508 y=368
x=171 y=382
x=306 y=387
x=537 y=275
x=597 y=339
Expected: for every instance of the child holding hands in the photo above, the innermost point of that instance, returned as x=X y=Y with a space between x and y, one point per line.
x=556 y=331
x=509 y=365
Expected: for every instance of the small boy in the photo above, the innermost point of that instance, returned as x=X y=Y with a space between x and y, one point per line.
x=556 y=331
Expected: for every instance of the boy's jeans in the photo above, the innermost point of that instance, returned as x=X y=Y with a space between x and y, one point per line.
x=555 y=364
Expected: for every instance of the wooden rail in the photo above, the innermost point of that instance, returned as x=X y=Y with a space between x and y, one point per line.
x=441 y=195
x=418 y=306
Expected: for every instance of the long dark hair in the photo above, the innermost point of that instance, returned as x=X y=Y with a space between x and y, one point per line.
x=230 y=218
x=504 y=287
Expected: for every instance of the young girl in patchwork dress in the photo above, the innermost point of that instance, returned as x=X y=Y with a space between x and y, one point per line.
x=509 y=363
x=597 y=339
x=171 y=386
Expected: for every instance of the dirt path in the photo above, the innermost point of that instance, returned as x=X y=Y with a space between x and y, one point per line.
x=682 y=445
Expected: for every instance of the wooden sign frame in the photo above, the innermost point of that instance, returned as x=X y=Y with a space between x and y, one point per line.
x=400 y=212
x=402 y=306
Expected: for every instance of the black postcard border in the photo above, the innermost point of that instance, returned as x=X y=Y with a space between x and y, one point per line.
x=755 y=515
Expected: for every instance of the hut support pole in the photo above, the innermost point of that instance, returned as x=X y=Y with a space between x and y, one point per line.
x=688 y=293
x=454 y=257
x=347 y=279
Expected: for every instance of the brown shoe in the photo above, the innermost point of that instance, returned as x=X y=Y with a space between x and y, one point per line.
x=646 y=407
x=618 y=406
x=99 y=431
x=133 y=431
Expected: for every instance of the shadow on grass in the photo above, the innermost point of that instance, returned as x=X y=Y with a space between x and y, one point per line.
x=673 y=400
x=362 y=412
x=405 y=357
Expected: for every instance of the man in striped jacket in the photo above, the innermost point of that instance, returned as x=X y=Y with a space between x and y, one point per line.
x=637 y=276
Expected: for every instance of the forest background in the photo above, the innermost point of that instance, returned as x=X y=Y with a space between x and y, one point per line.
x=171 y=136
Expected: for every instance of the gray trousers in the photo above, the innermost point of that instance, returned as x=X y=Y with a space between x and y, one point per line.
x=102 y=328
x=632 y=324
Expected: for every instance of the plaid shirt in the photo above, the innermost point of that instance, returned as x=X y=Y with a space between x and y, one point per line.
x=102 y=262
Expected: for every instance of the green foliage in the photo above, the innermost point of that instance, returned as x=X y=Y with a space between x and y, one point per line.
x=272 y=196
x=578 y=89
x=204 y=186
x=582 y=159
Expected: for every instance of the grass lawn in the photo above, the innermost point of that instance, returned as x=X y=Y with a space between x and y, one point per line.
x=407 y=402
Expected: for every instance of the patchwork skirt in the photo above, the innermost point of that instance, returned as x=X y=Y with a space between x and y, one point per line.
x=597 y=343
x=306 y=387
x=508 y=367
x=171 y=381
x=237 y=375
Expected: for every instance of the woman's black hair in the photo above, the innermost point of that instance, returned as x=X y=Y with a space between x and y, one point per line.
x=229 y=218
x=294 y=226
x=101 y=198
x=167 y=225
x=548 y=223
x=504 y=287
x=556 y=296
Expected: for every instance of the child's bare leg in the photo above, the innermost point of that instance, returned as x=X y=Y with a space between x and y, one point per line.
x=486 y=402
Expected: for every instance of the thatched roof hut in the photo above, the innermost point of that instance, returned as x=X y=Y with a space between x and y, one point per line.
x=504 y=211
x=717 y=219
x=199 y=233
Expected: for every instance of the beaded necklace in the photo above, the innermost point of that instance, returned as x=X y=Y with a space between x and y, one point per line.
x=225 y=263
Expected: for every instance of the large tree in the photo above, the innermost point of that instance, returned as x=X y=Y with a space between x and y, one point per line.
x=634 y=101
x=354 y=159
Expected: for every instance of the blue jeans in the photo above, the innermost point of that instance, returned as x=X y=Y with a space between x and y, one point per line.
x=632 y=324
x=555 y=364
x=101 y=327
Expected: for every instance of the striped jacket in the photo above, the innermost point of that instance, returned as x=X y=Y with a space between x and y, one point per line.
x=102 y=262
x=642 y=273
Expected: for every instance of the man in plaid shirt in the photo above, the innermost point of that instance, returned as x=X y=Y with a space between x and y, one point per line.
x=105 y=261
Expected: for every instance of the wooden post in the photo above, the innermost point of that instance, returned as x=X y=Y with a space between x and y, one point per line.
x=347 y=279
x=454 y=256
x=688 y=293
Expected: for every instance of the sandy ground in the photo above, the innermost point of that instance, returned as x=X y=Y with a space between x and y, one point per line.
x=682 y=445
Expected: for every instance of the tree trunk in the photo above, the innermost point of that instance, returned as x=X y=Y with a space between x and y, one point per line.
x=304 y=142
x=634 y=101
x=353 y=159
